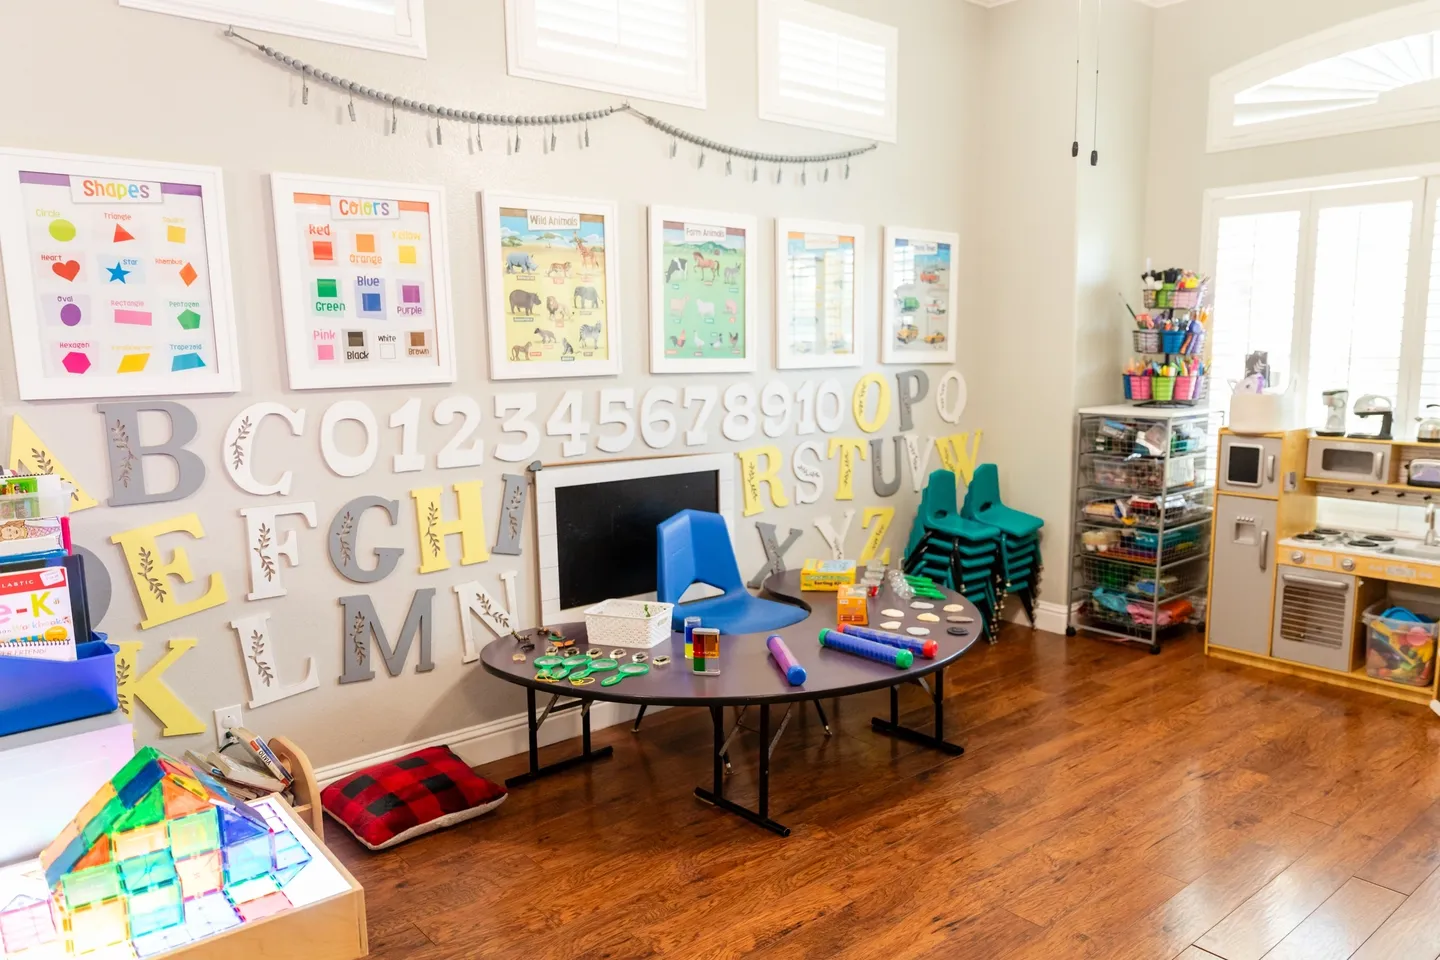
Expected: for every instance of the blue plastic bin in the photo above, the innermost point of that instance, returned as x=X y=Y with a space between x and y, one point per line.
x=41 y=693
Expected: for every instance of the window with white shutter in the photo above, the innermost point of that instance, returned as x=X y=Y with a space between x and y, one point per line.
x=645 y=48
x=391 y=26
x=829 y=70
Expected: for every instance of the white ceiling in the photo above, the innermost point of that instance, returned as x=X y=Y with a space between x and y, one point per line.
x=1148 y=3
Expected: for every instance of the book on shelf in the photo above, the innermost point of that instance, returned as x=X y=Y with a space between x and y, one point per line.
x=36 y=619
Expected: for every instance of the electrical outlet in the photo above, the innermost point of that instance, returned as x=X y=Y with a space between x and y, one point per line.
x=225 y=718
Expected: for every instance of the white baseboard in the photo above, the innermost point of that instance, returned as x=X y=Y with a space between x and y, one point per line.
x=495 y=740
x=1050 y=617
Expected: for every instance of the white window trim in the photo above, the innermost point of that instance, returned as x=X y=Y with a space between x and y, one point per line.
x=404 y=34
x=773 y=107
x=1222 y=133
x=515 y=57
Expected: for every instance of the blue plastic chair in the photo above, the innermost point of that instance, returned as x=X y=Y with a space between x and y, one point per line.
x=694 y=547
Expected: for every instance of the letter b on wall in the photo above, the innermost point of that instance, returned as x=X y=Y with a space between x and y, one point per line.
x=127 y=453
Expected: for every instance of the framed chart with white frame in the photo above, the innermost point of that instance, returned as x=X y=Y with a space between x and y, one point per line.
x=702 y=291
x=552 y=283
x=918 y=316
x=819 y=291
x=118 y=274
x=364 y=282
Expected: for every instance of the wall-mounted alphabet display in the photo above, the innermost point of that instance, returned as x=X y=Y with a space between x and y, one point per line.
x=267 y=546
x=364 y=282
x=703 y=314
x=774 y=553
x=849 y=448
x=30 y=454
x=883 y=487
x=860 y=399
x=835 y=539
x=239 y=447
x=152 y=573
x=951 y=396
x=877 y=520
x=262 y=669
x=434 y=528
x=917 y=452
x=512 y=514
x=753 y=476
x=616 y=406
x=918 y=319
x=344 y=464
x=98 y=588
x=818 y=294
x=657 y=417
x=343 y=538
x=127 y=453
x=476 y=601
x=741 y=412
x=553 y=281
x=360 y=624
x=514 y=411
x=118 y=274
x=959 y=453
x=568 y=420
x=464 y=448
x=407 y=420
x=704 y=398
x=911 y=386
x=807 y=471
x=150 y=688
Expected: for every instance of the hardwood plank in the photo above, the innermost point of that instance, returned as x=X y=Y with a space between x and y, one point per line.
x=1195 y=953
x=1341 y=925
x=1408 y=859
x=1410 y=933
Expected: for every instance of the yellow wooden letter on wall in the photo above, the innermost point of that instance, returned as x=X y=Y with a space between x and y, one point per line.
x=849 y=449
x=148 y=688
x=151 y=572
x=434 y=528
x=882 y=402
x=751 y=476
x=882 y=517
x=29 y=453
x=955 y=456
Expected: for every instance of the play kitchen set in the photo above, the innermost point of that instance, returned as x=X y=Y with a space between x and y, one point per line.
x=1347 y=607
x=1171 y=336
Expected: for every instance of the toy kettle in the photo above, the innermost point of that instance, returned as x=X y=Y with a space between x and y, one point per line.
x=1429 y=429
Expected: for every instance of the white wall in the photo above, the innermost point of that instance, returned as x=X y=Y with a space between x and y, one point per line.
x=156 y=87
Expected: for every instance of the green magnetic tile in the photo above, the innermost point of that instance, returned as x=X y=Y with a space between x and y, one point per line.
x=197 y=833
x=156 y=909
x=149 y=809
x=152 y=869
x=289 y=851
x=253 y=889
x=103 y=823
x=146 y=778
x=133 y=766
x=85 y=887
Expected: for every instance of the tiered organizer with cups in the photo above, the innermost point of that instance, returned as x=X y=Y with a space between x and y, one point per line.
x=1167 y=303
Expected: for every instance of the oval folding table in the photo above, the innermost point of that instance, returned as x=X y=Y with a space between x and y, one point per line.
x=750 y=678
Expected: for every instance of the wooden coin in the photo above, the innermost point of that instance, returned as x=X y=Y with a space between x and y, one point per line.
x=918 y=631
x=928 y=618
x=922 y=605
x=892 y=613
x=890 y=625
x=953 y=608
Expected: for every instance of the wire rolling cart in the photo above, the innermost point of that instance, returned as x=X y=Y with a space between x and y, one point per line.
x=1140 y=535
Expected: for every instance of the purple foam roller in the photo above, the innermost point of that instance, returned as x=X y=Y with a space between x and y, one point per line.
x=870 y=650
x=921 y=648
x=785 y=660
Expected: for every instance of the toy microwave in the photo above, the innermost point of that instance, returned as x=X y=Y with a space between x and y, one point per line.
x=828 y=575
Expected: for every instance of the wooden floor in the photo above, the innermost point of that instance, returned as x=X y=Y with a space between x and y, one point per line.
x=1110 y=804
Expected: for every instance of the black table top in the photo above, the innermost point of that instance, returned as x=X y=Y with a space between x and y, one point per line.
x=748 y=675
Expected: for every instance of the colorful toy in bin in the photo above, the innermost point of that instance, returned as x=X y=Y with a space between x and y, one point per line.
x=851 y=605
x=1401 y=647
x=162 y=855
x=826 y=575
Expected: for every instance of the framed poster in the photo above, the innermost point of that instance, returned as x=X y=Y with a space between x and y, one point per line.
x=553 y=287
x=118 y=274
x=818 y=293
x=918 y=318
x=702 y=292
x=364 y=282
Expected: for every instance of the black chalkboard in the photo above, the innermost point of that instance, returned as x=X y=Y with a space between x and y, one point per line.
x=605 y=532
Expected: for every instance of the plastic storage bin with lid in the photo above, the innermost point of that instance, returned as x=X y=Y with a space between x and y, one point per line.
x=1400 y=640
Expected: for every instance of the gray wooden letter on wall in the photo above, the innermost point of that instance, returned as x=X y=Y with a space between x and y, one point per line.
x=884 y=488
x=512 y=515
x=345 y=534
x=919 y=387
x=774 y=552
x=361 y=624
x=127 y=453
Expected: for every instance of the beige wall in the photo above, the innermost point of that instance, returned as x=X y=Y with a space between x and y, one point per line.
x=1218 y=34
x=156 y=87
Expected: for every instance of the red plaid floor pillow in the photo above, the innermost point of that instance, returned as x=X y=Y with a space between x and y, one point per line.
x=428 y=790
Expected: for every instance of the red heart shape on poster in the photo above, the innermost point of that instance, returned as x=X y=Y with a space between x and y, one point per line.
x=70 y=269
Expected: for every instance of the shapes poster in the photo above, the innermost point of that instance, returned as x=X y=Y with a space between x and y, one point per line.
x=818 y=294
x=365 y=282
x=702 y=292
x=920 y=296
x=118 y=277
x=553 y=287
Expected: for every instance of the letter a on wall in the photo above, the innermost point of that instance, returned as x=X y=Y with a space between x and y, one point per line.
x=30 y=454
x=150 y=688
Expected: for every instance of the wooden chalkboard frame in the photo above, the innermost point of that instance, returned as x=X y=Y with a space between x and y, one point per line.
x=550 y=479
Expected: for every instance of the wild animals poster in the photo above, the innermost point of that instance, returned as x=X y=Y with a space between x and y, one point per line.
x=702 y=314
x=818 y=293
x=920 y=296
x=552 y=282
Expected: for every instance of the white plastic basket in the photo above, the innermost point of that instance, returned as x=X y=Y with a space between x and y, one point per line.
x=628 y=623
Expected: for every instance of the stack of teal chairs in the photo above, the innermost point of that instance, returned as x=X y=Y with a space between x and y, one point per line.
x=985 y=550
x=1020 y=562
x=963 y=554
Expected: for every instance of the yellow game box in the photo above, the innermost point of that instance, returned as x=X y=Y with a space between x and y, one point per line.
x=827 y=575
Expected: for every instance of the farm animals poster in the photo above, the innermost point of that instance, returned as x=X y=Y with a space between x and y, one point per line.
x=551 y=279
x=702 y=292
x=364 y=282
x=918 y=316
x=819 y=274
